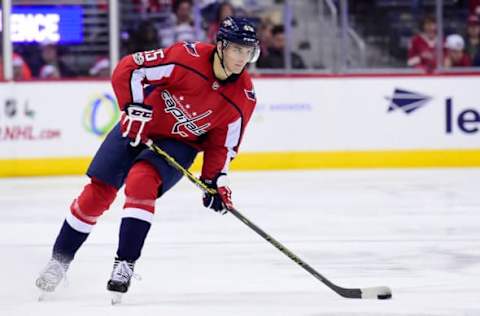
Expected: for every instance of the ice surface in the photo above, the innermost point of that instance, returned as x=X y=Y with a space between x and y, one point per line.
x=416 y=231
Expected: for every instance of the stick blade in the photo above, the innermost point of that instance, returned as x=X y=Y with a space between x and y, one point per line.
x=378 y=292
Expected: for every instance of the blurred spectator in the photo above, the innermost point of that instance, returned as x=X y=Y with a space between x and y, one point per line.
x=101 y=68
x=422 y=47
x=472 y=46
x=21 y=71
x=474 y=7
x=52 y=66
x=100 y=5
x=144 y=6
x=182 y=26
x=265 y=36
x=145 y=37
x=476 y=60
x=276 y=52
x=454 y=52
x=223 y=10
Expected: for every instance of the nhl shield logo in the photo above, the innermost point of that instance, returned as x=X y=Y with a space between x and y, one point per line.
x=215 y=85
x=138 y=58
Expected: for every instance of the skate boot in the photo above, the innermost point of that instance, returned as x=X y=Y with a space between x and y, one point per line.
x=52 y=275
x=120 y=280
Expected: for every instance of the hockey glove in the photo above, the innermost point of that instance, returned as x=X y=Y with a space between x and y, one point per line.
x=222 y=200
x=134 y=122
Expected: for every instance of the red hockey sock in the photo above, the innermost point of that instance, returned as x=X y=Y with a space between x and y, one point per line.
x=95 y=199
x=141 y=187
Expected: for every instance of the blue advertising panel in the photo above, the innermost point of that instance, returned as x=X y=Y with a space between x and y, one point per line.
x=57 y=24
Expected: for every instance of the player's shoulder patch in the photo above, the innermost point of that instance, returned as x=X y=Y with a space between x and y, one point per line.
x=138 y=58
x=191 y=48
x=247 y=86
x=250 y=94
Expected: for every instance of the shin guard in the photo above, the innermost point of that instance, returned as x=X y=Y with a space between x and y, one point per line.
x=141 y=192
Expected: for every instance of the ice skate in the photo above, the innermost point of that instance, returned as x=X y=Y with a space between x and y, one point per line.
x=120 y=279
x=51 y=277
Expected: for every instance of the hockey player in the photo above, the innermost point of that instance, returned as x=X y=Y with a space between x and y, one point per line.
x=199 y=98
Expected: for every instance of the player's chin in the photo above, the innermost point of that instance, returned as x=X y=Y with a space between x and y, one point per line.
x=237 y=69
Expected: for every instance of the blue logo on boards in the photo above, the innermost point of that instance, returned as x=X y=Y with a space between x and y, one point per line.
x=407 y=101
x=457 y=119
x=466 y=121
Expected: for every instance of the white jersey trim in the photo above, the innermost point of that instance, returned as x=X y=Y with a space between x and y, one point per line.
x=136 y=85
x=151 y=74
x=137 y=213
x=157 y=73
x=78 y=225
x=232 y=140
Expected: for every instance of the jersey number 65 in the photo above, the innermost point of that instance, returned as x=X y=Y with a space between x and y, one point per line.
x=153 y=55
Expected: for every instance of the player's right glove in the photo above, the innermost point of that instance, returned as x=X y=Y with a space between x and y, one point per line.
x=134 y=122
x=222 y=200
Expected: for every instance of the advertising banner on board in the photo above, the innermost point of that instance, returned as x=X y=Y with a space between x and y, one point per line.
x=70 y=119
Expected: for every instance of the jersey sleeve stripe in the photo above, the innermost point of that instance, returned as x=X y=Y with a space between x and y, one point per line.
x=238 y=110
x=231 y=141
x=136 y=85
x=151 y=74
x=157 y=73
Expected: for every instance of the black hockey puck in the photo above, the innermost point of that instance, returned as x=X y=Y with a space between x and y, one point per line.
x=386 y=296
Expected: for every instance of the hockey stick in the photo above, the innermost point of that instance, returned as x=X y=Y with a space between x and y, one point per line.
x=379 y=292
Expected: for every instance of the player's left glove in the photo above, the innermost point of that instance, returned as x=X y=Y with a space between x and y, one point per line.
x=134 y=122
x=222 y=200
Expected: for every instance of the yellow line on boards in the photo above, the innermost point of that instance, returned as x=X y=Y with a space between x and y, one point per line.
x=357 y=159
x=272 y=161
x=43 y=166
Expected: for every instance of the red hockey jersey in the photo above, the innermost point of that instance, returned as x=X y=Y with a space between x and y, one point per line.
x=421 y=53
x=189 y=103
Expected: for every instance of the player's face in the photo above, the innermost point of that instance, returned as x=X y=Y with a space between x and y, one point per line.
x=430 y=28
x=236 y=57
x=279 y=41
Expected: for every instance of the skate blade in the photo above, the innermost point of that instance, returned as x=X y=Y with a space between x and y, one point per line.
x=116 y=298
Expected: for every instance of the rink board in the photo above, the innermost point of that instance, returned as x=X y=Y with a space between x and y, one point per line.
x=299 y=123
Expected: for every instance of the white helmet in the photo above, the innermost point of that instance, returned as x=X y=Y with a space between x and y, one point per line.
x=455 y=42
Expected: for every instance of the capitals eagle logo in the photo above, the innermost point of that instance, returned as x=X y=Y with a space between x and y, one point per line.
x=191 y=48
x=250 y=94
